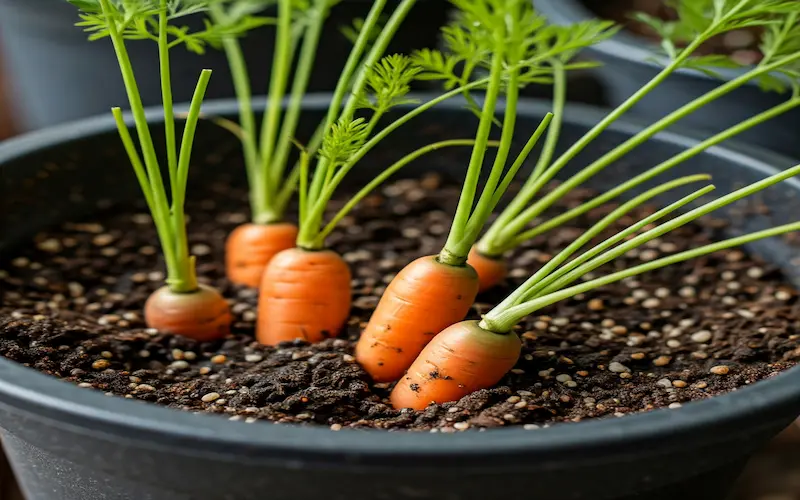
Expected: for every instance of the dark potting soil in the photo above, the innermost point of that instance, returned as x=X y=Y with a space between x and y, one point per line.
x=742 y=45
x=72 y=302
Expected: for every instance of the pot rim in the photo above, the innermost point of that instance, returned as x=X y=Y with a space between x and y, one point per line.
x=63 y=404
x=624 y=45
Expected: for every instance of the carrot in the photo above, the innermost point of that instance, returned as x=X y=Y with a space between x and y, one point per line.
x=304 y=294
x=424 y=298
x=491 y=270
x=250 y=247
x=203 y=315
x=434 y=292
x=462 y=359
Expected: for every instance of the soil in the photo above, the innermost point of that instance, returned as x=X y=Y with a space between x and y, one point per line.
x=72 y=300
x=741 y=45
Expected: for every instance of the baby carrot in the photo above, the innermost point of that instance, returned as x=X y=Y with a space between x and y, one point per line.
x=426 y=296
x=304 y=294
x=460 y=360
x=250 y=247
x=202 y=314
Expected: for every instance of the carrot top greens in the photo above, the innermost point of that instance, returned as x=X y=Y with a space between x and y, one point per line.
x=513 y=43
x=122 y=20
x=699 y=21
x=299 y=26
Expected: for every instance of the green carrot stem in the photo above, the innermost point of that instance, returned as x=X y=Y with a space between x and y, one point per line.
x=518 y=224
x=671 y=225
x=490 y=240
x=308 y=229
x=133 y=156
x=279 y=78
x=453 y=252
x=300 y=84
x=187 y=279
x=544 y=125
x=161 y=217
x=645 y=176
x=383 y=176
x=166 y=96
x=524 y=291
x=536 y=289
x=247 y=119
x=289 y=187
x=504 y=321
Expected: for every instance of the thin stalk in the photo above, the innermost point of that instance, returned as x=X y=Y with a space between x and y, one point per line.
x=524 y=290
x=453 y=253
x=187 y=279
x=610 y=242
x=277 y=89
x=289 y=187
x=383 y=176
x=302 y=76
x=504 y=321
x=521 y=158
x=244 y=97
x=303 y=189
x=522 y=199
x=484 y=206
x=527 y=192
x=649 y=174
x=166 y=96
x=308 y=230
x=519 y=222
x=324 y=168
x=155 y=183
x=133 y=156
x=342 y=87
x=559 y=103
x=672 y=225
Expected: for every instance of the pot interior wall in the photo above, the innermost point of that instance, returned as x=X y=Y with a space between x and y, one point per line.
x=69 y=181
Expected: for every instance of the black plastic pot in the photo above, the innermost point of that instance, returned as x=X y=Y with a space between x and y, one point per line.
x=56 y=75
x=68 y=443
x=628 y=63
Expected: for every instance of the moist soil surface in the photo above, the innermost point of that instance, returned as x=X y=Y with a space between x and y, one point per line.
x=72 y=301
x=741 y=45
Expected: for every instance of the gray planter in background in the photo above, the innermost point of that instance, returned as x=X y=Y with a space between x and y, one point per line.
x=627 y=67
x=56 y=75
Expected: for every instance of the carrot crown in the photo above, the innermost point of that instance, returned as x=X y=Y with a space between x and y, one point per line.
x=698 y=21
x=553 y=282
x=271 y=187
x=151 y=20
x=510 y=41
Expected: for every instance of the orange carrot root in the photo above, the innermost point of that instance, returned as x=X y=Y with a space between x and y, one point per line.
x=491 y=271
x=250 y=247
x=305 y=295
x=462 y=359
x=422 y=300
x=202 y=315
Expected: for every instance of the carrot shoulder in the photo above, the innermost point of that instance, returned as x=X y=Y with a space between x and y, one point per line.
x=250 y=247
x=462 y=359
x=423 y=299
x=304 y=294
x=202 y=314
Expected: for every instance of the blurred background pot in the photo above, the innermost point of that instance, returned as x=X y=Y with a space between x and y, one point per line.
x=55 y=75
x=627 y=65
